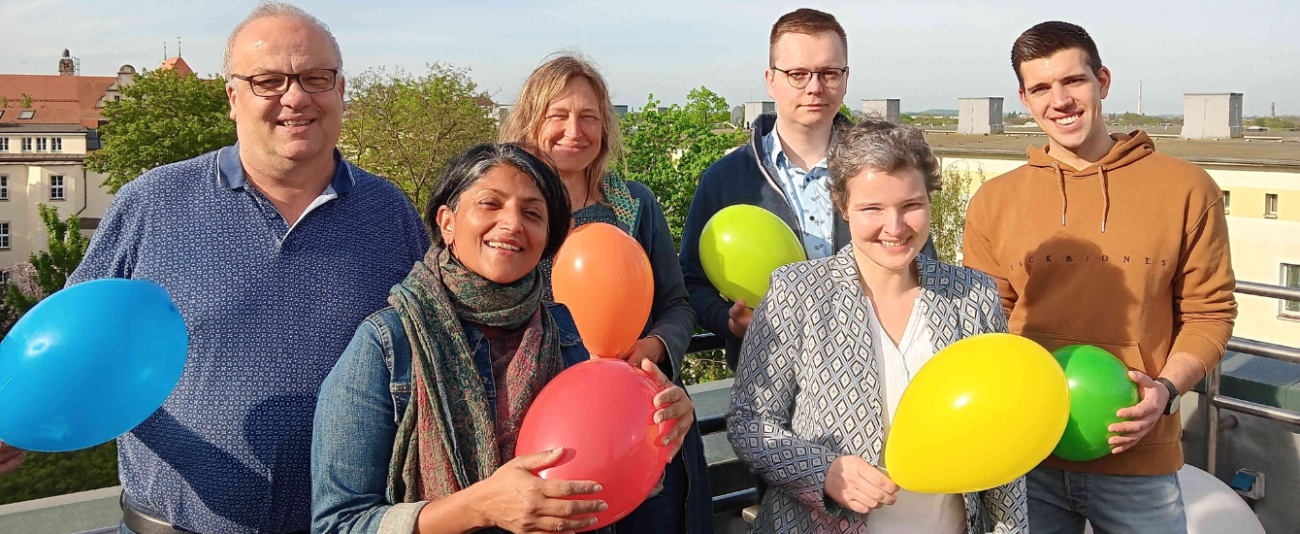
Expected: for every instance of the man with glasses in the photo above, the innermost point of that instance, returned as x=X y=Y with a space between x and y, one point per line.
x=783 y=170
x=273 y=250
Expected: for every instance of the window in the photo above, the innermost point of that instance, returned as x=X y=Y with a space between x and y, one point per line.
x=4 y=235
x=26 y=114
x=4 y=144
x=4 y=278
x=1270 y=205
x=56 y=144
x=56 y=188
x=1227 y=202
x=1291 y=278
x=42 y=144
x=4 y=187
x=27 y=144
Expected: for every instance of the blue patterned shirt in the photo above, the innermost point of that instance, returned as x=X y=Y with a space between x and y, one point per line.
x=269 y=310
x=809 y=195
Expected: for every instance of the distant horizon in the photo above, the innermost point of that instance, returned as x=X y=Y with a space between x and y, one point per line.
x=927 y=54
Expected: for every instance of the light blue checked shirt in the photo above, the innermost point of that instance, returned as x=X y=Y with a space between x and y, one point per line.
x=809 y=195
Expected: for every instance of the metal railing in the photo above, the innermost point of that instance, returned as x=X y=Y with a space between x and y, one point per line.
x=1215 y=401
x=715 y=424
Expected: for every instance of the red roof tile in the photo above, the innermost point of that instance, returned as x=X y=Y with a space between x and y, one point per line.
x=56 y=99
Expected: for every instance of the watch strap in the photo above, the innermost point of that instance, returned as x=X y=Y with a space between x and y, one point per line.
x=1173 y=393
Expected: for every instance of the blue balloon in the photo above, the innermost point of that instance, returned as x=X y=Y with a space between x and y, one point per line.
x=88 y=364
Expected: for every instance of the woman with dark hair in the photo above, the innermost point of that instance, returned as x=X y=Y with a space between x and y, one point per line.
x=416 y=425
x=835 y=342
x=565 y=110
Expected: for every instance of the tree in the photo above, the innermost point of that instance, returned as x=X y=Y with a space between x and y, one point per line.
x=669 y=150
x=406 y=129
x=66 y=248
x=164 y=118
x=848 y=113
x=948 y=210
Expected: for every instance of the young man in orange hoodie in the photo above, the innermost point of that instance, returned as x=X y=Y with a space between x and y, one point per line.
x=1101 y=240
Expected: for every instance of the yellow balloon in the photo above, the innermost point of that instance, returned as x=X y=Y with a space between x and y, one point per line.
x=980 y=414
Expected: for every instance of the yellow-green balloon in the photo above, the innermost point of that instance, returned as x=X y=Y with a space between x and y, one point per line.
x=741 y=246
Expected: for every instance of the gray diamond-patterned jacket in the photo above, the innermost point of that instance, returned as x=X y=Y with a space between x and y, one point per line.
x=808 y=390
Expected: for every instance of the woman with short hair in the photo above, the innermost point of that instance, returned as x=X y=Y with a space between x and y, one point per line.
x=416 y=425
x=564 y=109
x=836 y=340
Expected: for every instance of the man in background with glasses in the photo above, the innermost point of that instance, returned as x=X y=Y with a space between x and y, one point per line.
x=273 y=250
x=783 y=170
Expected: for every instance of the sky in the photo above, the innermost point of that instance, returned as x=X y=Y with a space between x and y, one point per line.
x=928 y=54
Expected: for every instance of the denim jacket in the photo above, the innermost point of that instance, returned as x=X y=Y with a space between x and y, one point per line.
x=360 y=405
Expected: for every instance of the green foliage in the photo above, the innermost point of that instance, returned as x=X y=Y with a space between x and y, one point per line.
x=926 y=120
x=163 y=118
x=67 y=246
x=1133 y=119
x=848 y=113
x=27 y=101
x=49 y=474
x=406 y=128
x=705 y=367
x=668 y=150
x=4 y=102
x=948 y=210
x=1278 y=123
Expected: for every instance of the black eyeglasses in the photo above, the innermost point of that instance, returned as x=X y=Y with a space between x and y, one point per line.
x=312 y=81
x=799 y=78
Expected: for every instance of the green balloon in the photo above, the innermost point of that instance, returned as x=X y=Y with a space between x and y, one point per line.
x=1099 y=387
x=741 y=245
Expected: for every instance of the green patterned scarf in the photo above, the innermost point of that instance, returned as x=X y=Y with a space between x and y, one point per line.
x=447 y=439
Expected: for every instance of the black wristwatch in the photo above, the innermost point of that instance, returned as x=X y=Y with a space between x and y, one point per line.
x=1172 y=406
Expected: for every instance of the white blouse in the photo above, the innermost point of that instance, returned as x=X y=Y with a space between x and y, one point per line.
x=914 y=512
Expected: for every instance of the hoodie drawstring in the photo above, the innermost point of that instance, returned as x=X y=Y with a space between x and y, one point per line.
x=1105 y=193
x=1105 y=197
x=1060 y=175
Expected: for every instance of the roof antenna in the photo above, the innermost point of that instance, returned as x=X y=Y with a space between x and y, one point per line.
x=164 y=50
x=178 y=46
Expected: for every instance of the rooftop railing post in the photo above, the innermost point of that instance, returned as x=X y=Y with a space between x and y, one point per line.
x=1211 y=420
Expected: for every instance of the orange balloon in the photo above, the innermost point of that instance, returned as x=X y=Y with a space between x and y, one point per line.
x=603 y=276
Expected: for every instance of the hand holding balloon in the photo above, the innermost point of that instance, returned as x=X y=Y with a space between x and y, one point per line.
x=647 y=348
x=738 y=318
x=515 y=499
x=858 y=485
x=10 y=458
x=1144 y=414
x=672 y=403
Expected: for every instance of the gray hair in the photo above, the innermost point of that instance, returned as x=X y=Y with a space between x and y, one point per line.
x=881 y=146
x=269 y=9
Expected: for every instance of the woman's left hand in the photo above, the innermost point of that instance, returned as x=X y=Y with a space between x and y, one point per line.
x=647 y=348
x=672 y=403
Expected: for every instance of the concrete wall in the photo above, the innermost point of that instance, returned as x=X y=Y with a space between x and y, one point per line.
x=887 y=109
x=977 y=116
x=1212 y=116
x=1260 y=246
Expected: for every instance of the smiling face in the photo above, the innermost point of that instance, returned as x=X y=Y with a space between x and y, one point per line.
x=571 y=131
x=1064 y=95
x=297 y=126
x=814 y=105
x=499 y=226
x=889 y=216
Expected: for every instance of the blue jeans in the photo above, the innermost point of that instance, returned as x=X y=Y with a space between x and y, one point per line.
x=1060 y=501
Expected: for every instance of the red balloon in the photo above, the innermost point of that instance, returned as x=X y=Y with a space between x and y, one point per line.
x=602 y=412
x=603 y=276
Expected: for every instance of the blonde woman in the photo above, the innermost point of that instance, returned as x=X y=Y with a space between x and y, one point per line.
x=564 y=109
